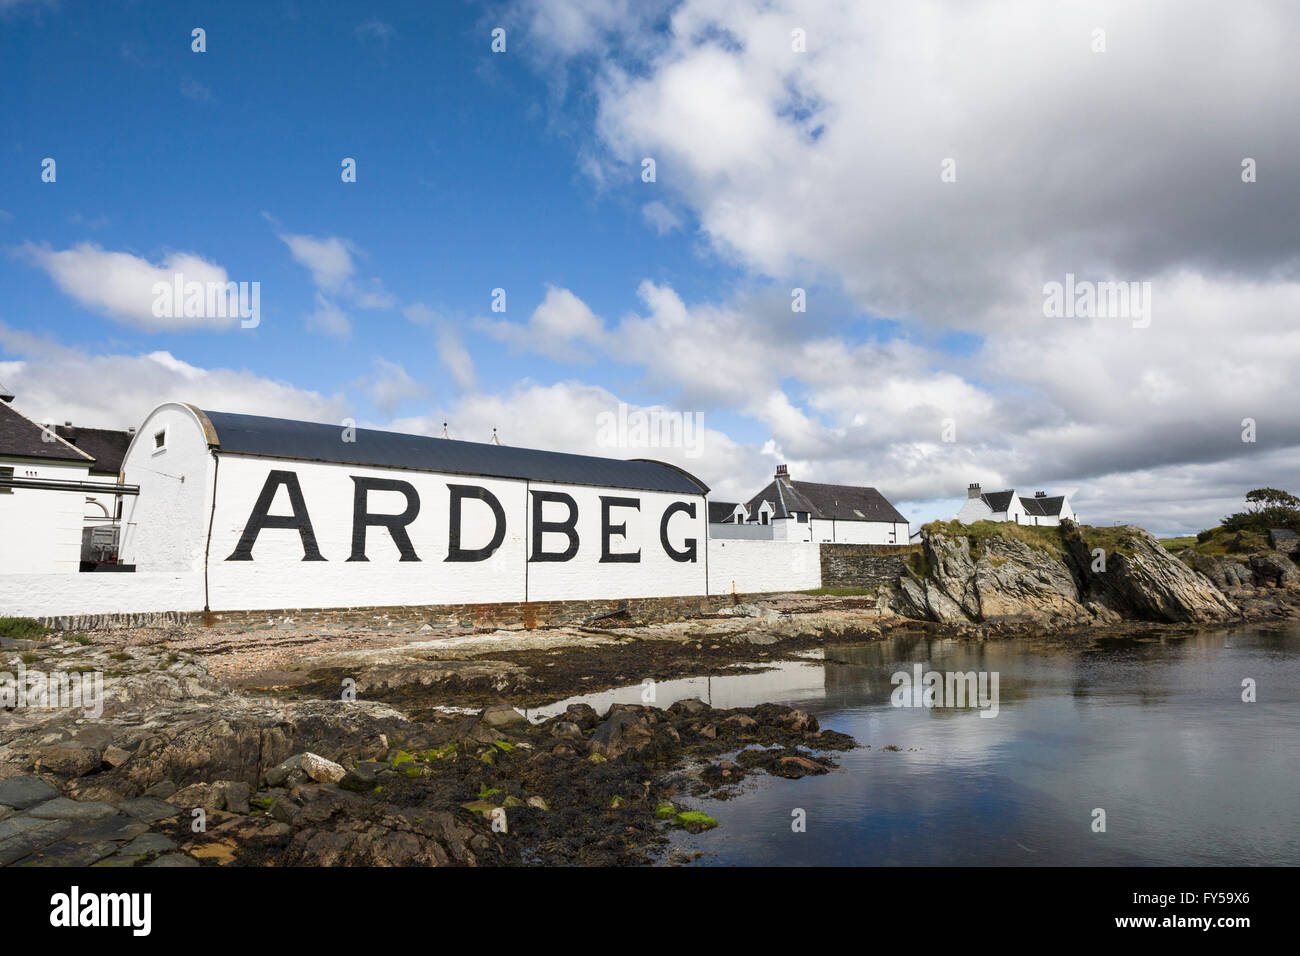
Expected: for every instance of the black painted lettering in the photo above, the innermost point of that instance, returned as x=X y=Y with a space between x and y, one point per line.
x=689 y=551
x=261 y=518
x=568 y=527
x=607 y=529
x=362 y=519
x=458 y=494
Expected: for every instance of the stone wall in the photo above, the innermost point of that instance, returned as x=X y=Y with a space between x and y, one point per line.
x=509 y=615
x=863 y=565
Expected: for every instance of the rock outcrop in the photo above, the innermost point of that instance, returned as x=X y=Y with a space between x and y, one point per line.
x=1053 y=579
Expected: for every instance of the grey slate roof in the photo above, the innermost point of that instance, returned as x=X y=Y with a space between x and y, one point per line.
x=312 y=441
x=106 y=446
x=840 y=502
x=1046 y=507
x=20 y=437
x=999 y=501
x=720 y=511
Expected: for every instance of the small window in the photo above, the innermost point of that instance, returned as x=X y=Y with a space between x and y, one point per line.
x=6 y=473
x=764 y=516
x=160 y=440
x=801 y=517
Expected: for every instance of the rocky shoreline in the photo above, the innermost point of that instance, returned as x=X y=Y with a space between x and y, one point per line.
x=355 y=746
x=282 y=780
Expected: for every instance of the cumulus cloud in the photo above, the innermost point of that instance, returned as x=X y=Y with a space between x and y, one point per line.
x=830 y=160
x=390 y=385
x=330 y=260
x=938 y=163
x=573 y=417
x=662 y=219
x=328 y=319
x=121 y=285
x=562 y=327
x=49 y=381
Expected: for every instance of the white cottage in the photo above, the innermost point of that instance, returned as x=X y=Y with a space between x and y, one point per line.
x=59 y=492
x=1040 y=509
x=821 y=513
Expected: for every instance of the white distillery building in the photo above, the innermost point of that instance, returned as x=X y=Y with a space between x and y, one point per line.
x=820 y=513
x=47 y=491
x=1039 y=509
x=285 y=514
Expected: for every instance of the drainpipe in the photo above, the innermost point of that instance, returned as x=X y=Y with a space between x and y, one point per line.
x=207 y=547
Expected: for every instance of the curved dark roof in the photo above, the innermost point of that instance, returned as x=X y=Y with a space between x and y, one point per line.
x=313 y=441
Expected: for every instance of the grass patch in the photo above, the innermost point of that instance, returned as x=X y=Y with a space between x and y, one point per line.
x=1113 y=540
x=1220 y=541
x=1174 y=545
x=1043 y=538
x=22 y=628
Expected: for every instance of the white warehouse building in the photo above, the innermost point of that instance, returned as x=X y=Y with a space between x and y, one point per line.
x=285 y=514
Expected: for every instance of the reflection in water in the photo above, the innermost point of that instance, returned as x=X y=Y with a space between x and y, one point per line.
x=1152 y=730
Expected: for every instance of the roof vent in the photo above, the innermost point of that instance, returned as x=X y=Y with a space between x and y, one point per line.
x=6 y=398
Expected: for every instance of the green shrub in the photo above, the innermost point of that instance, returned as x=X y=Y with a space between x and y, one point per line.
x=23 y=628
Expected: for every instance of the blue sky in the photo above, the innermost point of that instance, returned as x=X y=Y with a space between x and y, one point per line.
x=776 y=169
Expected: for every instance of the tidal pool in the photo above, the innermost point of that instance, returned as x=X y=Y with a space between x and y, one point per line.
x=1152 y=731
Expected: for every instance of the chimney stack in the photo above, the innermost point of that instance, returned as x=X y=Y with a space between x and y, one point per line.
x=973 y=490
x=783 y=473
x=1040 y=494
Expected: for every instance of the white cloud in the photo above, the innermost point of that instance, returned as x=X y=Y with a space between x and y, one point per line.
x=566 y=416
x=561 y=327
x=50 y=384
x=391 y=385
x=121 y=285
x=329 y=259
x=660 y=217
x=455 y=357
x=823 y=170
x=328 y=319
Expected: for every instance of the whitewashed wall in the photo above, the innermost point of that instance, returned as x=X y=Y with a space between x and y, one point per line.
x=975 y=509
x=67 y=594
x=859 y=532
x=754 y=566
x=164 y=528
x=277 y=576
x=40 y=530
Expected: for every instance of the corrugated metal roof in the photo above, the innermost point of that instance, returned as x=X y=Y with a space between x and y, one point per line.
x=313 y=441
